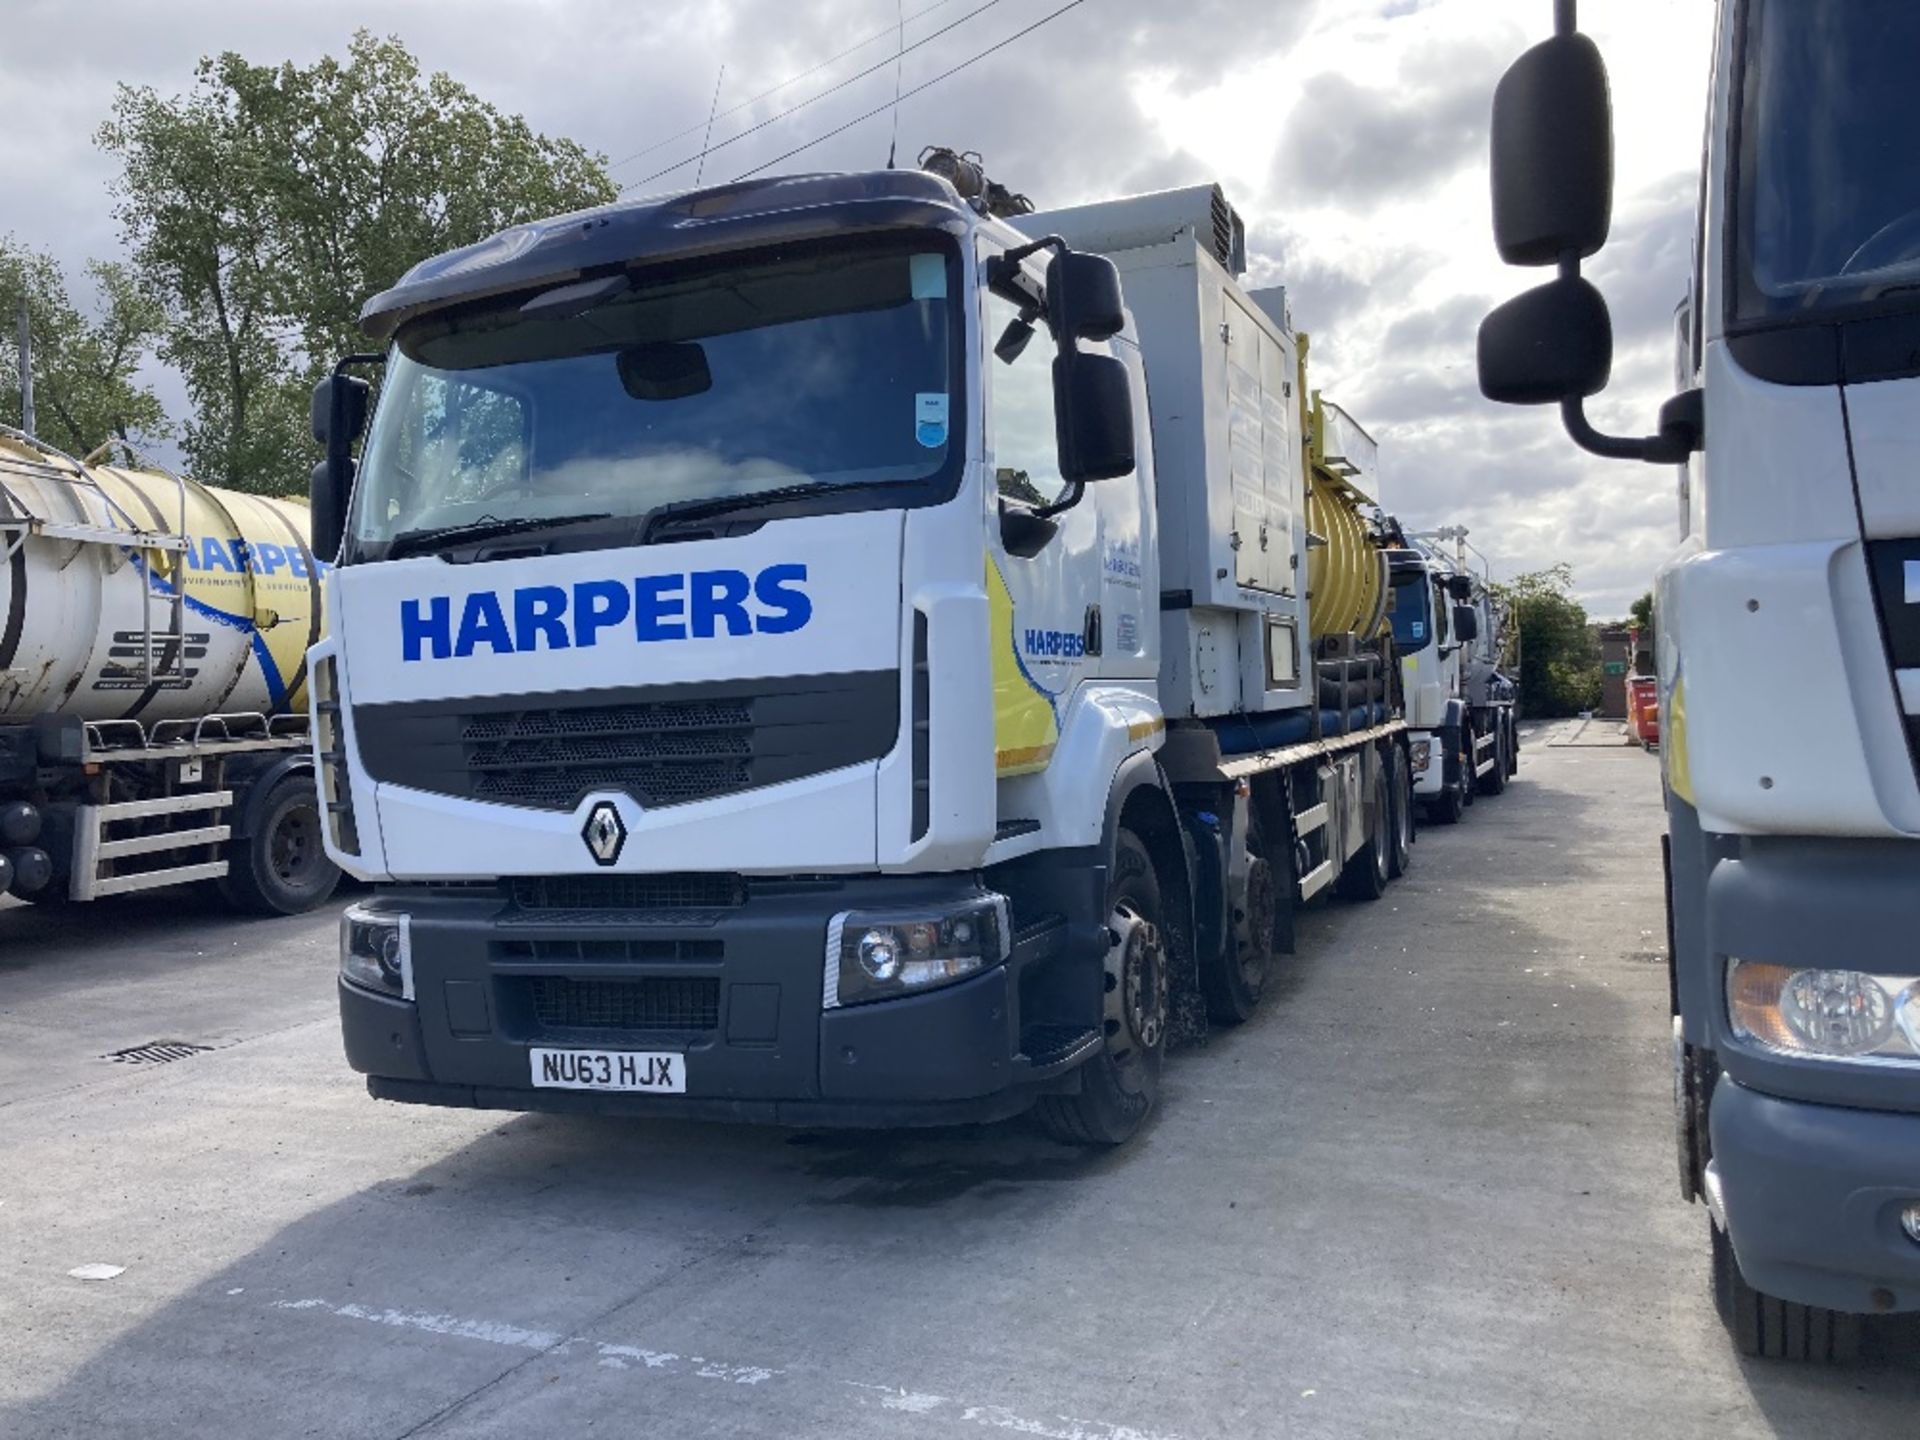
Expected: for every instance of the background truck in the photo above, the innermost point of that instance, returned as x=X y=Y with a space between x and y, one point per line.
x=1451 y=632
x=808 y=651
x=1793 y=813
x=153 y=638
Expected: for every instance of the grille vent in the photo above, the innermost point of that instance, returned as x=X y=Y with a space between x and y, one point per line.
x=650 y=1004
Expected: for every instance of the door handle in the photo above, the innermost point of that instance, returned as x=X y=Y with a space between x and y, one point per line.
x=1090 y=631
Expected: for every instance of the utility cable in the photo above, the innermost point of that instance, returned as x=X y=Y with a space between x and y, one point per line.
x=899 y=60
x=707 y=144
x=927 y=85
x=753 y=100
x=813 y=99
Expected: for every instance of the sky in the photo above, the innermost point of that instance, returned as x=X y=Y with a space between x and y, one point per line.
x=1351 y=135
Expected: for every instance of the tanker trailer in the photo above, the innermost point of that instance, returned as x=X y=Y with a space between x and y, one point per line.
x=153 y=725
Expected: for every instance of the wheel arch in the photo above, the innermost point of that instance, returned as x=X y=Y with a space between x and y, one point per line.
x=260 y=783
x=1141 y=801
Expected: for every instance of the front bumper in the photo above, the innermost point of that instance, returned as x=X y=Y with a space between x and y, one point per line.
x=758 y=1045
x=1812 y=1196
x=1432 y=780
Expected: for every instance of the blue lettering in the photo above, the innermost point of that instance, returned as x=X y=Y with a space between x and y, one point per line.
x=297 y=564
x=776 y=587
x=481 y=621
x=537 y=615
x=658 y=606
x=717 y=594
x=271 y=557
x=598 y=605
x=242 y=559
x=434 y=626
x=214 y=556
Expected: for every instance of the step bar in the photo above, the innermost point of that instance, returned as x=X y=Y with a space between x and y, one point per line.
x=92 y=847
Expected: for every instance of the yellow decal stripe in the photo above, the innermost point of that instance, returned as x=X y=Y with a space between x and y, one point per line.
x=1024 y=728
x=1673 y=743
x=1142 y=729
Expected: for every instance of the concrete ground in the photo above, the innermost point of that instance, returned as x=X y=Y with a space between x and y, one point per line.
x=1430 y=1191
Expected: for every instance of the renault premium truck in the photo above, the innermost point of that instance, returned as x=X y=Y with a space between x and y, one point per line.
x=1793 y=814
x=810 y=651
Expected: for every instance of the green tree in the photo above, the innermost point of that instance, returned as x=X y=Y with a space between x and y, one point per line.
x=1559 y=654
x=268 y=203
x=84 y=386
x=1640 y=613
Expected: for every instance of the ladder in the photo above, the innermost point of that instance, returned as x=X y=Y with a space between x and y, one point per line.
x=101 y=520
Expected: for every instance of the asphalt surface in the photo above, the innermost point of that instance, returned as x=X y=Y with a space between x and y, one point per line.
x=1429 y=1191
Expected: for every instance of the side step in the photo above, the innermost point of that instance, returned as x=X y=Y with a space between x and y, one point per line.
x=92 y=848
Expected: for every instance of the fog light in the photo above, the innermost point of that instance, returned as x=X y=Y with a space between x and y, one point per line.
x=376 y=951
x=1910 y=1222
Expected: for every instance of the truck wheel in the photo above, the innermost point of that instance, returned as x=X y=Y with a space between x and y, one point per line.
x=1513 y=746
x=1232 y=986
x=1495 y=780
x=1468 y=784
x=282 y=868
x=1771 y=1329
x=1118 y=1086
x=1400 y=805
x=1446 y=807
x=1365 y=876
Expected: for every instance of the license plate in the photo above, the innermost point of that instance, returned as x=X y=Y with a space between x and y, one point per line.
x=657 y=1071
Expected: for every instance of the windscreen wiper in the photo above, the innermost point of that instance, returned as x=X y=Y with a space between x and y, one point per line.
x=666 y=517
x=409 y=542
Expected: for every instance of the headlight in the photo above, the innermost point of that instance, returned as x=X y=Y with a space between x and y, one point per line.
x=1421 y=754
x=875 y=956
x=1838 y=1014
x=376 y=951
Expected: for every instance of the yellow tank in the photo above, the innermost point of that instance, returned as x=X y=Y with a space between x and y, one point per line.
x=94 y=557
x=1346 y=567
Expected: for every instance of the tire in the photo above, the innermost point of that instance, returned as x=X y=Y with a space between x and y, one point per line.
x=1513 y=746
x=1365 y=876
x=1494 y=781
x=1447 y=807
x=1400 y=812
x=1769 y=1329
x=282 y=867
x=1233 y=984
x=1119 y=1085
x=1469 y=786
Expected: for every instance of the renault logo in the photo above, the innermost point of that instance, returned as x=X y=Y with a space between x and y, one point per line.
x=604 y=833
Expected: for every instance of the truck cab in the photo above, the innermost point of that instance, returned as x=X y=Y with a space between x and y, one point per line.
x=1425 y=617
x=1793 y=810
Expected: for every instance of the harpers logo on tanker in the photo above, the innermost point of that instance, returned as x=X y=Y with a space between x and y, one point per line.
x=682 y=605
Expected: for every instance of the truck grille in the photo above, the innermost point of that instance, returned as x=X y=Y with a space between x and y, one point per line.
x=629 y=892
x=655 y=1003
x=663 y=745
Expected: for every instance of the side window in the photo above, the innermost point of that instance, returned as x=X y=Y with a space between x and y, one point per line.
x=1020 y=433
x=1442 y=616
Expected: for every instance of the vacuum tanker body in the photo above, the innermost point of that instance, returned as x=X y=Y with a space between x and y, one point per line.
x=77 y=616
x=153 y=725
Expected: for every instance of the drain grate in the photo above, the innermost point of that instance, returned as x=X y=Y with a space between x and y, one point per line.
x=156 y=1052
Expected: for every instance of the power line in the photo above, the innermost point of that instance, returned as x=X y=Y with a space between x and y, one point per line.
x=814 y=99
x=707 y=144
x=899 y=62
x=753 y=100
x=927 y=85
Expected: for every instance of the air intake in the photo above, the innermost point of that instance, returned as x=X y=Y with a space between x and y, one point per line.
x=1143 y=220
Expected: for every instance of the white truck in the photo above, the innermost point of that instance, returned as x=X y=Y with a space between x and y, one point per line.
x=1793 y=813
x=1448 y=626
x=807 y=651
x=153 y=724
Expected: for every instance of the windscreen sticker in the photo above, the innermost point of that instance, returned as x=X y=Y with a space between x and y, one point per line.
x=928 y=274
x=930 y=419
x=1419 y=628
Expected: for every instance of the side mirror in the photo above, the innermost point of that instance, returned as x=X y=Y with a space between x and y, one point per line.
x=1083 y=297
x=1460 y=587
x=1550 y=344
x=1093 y=416
x=339 y=415
x=1553 y=153
x=1466 y=624
x=665 y=370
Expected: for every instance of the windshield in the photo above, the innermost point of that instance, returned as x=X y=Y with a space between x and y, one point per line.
x=1829 y=174
x=1409 y=610
x=607 y=399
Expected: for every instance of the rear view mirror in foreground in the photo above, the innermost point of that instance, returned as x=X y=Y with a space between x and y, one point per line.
x=339 y=414
x=1549 y=344
x=1552 y=153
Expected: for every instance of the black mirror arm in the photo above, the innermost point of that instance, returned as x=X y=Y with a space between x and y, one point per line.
x=1003 y=269
x=1069 y=498
x=1682 y=431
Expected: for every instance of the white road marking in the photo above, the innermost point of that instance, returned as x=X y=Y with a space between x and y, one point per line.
x=608 y=1356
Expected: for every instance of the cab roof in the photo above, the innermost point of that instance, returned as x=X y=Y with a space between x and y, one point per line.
x=697 y=222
